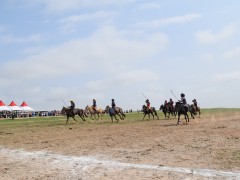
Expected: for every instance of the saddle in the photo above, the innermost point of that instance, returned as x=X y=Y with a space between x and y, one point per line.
x=111 y=110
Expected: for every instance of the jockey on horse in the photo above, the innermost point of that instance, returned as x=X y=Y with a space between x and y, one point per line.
x=166 y=104
x=195 y=104
x=113 y=105
x=183 y=101
x=94 y=105
x=72 y=106
x=148 y=105
x=171 y=104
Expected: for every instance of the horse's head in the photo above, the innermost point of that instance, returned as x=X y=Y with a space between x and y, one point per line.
x=87 y=107
x=107 y=108
x=144 y=107
x=63 y=111
x=161 y=107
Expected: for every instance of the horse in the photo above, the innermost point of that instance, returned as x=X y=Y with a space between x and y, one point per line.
x=113 y=111
x=92 y=111
x=149 y=111
x=181 y=109
x=169 y=110
x=72 y=114
x=195 y=110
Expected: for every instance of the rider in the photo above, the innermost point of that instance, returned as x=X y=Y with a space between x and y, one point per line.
x=183 y=101
x=165 y=104
x=113 y=104
x=195 y=103
x=72 y=106
x=171 y=103
x=94 y=105
x=148 y=104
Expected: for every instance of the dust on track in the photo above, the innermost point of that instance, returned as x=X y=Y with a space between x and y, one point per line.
x=205 y=143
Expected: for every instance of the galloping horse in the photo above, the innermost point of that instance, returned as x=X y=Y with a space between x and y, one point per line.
x=92 y=111
x=169 y=110
x=195 y=109
x=112 y=112
x=181 y=109
x=72 y=114
x=150 y=111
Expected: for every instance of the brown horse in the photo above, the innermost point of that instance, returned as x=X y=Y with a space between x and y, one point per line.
x=92 y=112
x=196 y=110
x=72 y=114
x=150 y=111
x=113 y=111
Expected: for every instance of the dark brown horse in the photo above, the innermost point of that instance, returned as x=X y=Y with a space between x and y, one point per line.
x=181 y=109
x=115 y=111
x=82 y=114
x=195 y=110
x=167 y=110
x=149 y=111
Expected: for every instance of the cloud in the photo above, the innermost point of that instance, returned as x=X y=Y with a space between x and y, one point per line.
x=124 y=79
x=86 y=17
x=233 y=54
x=69 y=23
x=148 y=6
x=208 y=36
x=168 y=21
x=106 y=48
x=208 y=57
x=9 y=39
x=233 y=76
x=59 y=6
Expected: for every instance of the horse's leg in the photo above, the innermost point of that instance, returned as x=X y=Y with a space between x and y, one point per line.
x=120 y=115
x=148 y=116
x=67 y=119
x=74 y=118
x=199 y=111
x=112 y=118
x=144 y=116
x=186 y=117
x=81 y=116
x=178 y=119
x=91 y=116
x=115 y=117
x=155 y=112
x=151 y=114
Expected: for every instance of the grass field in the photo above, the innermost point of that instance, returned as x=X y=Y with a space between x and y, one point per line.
x=130 y=118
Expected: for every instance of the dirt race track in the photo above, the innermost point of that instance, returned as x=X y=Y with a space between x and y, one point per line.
x=206 y=148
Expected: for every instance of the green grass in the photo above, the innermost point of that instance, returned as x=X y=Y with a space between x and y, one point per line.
x=130 y=118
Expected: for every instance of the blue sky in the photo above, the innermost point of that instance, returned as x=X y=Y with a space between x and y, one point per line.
x=55 y=50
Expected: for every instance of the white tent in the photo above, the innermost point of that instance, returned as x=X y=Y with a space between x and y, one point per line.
x=3 y=107
x=25 y=107
x=13 y=107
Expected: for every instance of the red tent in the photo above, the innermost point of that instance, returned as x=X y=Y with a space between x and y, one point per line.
x=3 y=106
x=13 y=106
x=25 y=107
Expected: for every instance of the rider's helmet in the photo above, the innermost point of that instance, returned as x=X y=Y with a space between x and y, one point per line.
x=112 y=99
x=165 y=101
x=94 y=100
x=182 y=95
x=147 y=100
x=170 y=99
x=71 y=100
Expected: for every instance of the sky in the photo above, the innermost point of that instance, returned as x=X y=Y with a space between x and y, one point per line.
x=54 y=51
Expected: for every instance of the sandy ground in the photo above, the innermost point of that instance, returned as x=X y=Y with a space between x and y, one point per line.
x=206 y=148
